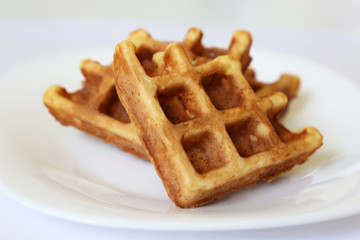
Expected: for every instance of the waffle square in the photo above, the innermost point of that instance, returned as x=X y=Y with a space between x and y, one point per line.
x=203 y=127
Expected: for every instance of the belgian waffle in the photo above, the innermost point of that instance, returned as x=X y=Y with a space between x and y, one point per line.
x=96 y=109
x=203 y=127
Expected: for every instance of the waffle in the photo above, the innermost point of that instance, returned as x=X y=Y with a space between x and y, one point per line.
x=95 y=108
x=110 y=122
x=203 y=127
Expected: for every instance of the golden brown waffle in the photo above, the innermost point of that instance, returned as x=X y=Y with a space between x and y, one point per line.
x=203 y=127
x=95 y=108
x=110 y=122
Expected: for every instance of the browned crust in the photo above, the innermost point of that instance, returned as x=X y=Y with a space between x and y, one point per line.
x=108 y=137
x=266 y=174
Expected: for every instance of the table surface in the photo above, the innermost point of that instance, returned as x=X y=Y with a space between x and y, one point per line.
x=331 y=37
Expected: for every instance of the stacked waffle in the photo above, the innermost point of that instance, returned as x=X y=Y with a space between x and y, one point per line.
x=198 y=114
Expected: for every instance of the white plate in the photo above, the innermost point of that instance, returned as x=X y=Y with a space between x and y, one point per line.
x=63 y=172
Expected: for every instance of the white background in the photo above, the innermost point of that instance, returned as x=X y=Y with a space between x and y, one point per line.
x=325 y=31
